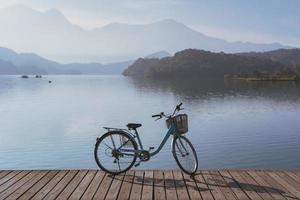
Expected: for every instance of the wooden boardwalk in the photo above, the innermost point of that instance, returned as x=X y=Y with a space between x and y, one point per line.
x=150 y=184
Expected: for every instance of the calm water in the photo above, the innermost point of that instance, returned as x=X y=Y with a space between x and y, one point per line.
x=232 y=125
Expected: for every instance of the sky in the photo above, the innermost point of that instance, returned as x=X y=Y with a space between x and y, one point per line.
x=234 y=20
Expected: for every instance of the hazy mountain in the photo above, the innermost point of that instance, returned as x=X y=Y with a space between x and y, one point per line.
x=200 y=64
x=30 y=63
x=26 y=60
x=9 y=68
x=97 y=68
x=160 y=54
x=286 y=56
x=50 y=34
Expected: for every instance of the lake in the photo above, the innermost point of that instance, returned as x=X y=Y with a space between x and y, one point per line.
x=231 y=124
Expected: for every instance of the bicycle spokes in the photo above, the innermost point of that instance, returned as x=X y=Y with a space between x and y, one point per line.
x=185 y=155
x=115 y=152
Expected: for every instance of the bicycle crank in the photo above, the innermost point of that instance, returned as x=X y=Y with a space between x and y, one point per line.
x=144 y=155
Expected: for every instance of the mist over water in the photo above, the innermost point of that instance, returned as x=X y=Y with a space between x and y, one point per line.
x=231 y=124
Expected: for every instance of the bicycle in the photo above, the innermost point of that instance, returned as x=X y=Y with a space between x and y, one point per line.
x=117 y=150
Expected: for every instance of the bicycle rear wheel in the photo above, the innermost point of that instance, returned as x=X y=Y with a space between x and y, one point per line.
x=115 y=152
x=185 y=154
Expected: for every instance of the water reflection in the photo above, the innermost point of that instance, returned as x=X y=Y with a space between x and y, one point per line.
x=207 y=89
x=231 y=124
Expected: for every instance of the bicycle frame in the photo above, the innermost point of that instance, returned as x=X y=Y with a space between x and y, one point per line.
x=171 y=131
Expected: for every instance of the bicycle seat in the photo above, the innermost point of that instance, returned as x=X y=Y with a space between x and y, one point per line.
x=133 y=125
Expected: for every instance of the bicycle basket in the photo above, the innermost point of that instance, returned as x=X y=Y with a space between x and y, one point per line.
x=180 y=122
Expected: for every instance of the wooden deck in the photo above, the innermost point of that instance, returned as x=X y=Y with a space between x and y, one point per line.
x=150 y=184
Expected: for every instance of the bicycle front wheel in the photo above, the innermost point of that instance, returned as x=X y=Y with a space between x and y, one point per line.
x=185 y=154
x=115 y=152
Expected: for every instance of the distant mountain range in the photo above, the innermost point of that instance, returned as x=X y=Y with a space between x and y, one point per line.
x=192 y=64
x=51 y=35
x=30 y=63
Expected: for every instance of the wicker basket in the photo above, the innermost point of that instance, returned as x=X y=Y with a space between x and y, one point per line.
x=180 y=122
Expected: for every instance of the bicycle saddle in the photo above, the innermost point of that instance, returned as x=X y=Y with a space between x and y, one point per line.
x=133 y=125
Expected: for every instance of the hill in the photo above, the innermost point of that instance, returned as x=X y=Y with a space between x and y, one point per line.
x=289 y=57
x=193 y=63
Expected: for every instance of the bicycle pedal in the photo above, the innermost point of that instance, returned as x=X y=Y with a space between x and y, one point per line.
x=151 y=148
x=136 y=165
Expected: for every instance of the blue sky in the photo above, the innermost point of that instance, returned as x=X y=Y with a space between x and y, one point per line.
x=255 y=20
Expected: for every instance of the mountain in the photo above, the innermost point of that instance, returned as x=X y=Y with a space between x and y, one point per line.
x=289 y=57
x=30 y=63
x=8 y=68
x=200 y=64
x=51 y=35
x=25 y=60
x=97 y=68
x=160 y=54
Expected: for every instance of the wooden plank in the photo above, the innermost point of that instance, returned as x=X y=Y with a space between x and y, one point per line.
x=27 y=185
x=136 y=190
x=41 y=183
x=191 y=187
x=202 y=187
x=60 y=186
x=219 y=181
x=244 y=185
x=231 y=182
x=80 y=189
x=180 y=186
x=148 y=187
x=275 y=193
x=67 y=192
x=274 y=184
x=91 y=190
x=159 y=185
x=126 y=185
x=49 y=186
x=10 y=176
x=285 y=184
x=289 y=180
x=167 y=184
x=170 y=185
x=103 y=188
x=4 y=173
x=296 y=173
x=255 y=186
x=216 y=192
x=18 y=184
x=115 y=186
x=13 y=178
x=293 y=175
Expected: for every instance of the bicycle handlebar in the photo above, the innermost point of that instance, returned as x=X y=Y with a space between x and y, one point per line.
x=163 y=115
x=156 y=115
x=178 y=106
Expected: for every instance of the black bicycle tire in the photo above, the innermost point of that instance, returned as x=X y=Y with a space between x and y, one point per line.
x=97 y=145
x=194 y=153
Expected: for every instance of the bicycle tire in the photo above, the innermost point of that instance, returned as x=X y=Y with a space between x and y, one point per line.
x=99 y=140
x=181 y=165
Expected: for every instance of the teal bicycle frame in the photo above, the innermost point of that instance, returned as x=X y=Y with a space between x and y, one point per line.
x=171 y=131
